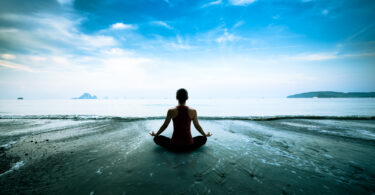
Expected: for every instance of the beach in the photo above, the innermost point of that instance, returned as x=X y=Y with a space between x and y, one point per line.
x=284 y=92
x=86 y=155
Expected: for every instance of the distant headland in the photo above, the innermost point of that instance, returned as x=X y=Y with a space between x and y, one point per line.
x=86 y=96
x=333 y=94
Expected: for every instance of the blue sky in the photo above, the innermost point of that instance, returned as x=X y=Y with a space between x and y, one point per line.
x=219 y=48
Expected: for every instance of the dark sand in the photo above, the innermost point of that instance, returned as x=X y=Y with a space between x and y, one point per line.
x=292 y=156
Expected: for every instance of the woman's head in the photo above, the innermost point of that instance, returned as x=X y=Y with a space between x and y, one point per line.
x=182 y=95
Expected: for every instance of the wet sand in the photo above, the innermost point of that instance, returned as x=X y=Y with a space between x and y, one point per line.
x=288 y=156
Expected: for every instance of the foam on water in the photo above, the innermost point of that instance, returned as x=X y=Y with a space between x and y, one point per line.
x=8 y=145
x=250 y=118
x=16 y=166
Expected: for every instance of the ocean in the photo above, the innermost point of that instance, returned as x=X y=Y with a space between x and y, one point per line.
x=265 y=107
x=265 y=146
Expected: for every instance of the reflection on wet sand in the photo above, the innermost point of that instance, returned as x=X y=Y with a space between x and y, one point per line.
x=112 y=156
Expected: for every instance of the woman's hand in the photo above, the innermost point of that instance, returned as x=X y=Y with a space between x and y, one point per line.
x=208 y=134
x=153 y=133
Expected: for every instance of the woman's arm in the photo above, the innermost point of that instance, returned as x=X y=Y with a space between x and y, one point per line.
x=165 y=124
x=198 y=126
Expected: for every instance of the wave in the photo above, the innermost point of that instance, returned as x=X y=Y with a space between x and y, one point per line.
x=250 y=118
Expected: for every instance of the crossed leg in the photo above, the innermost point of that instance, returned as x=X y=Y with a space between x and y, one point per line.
x=166 y=142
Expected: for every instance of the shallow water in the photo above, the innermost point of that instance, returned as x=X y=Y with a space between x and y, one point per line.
x=284 y=156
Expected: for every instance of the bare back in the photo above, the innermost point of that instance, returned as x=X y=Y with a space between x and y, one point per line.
x=174 y=112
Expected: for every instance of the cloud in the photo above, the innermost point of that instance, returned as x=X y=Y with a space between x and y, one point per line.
x=241 y=2
x=115 y=69
x=45 y=32
x=227 y=37
x=325 y=56
x=217 y=2
x=238 y=24
x=117 y=52
x=37 y=58
x=122 y=26
x=108 y=69
x=8 y=56
x=55 y=45
x=312 y=57
x=15 y=66
x=98 y=40
x=67 y=47
x=163 y=24
x=180 y=44
x=8 y=30
x=65 y=2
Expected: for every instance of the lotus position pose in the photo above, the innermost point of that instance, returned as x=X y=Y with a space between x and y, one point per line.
x=182 y=117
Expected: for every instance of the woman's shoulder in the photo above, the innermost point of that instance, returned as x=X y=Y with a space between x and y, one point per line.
x=172 y=112
x=191 y=109
x=174 y=109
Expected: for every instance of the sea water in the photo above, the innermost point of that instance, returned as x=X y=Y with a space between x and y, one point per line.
x=265 y=107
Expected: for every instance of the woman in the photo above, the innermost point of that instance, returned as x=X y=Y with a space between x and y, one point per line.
x=182 y=117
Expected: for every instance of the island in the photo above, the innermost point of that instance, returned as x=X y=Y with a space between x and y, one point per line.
x=86 y=96
x=333 y=94
x=20 y=98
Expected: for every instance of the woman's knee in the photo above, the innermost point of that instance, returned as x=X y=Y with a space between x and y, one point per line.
x=200 y=139
x=161 y=140
x=157 y=140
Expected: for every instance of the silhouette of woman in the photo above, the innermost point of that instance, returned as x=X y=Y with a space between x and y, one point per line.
x=182 y=117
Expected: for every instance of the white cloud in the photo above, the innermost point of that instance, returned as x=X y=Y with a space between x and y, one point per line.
x=98 y=40
x=16 y=66
x=117 y=52
x=217 y=2
x=227 y=37
x=8 y=56
x=108 y=69
x=37 y=58
x=115 y=71
x=121 y=26
x=52 y=33
x=8 y=30
x=312 y=57
x=65 y=2
x=180 y=44
x=238 y=24
x=241 y=2
x=161 y=23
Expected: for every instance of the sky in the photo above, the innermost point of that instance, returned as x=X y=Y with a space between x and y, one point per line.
x=59 y=49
